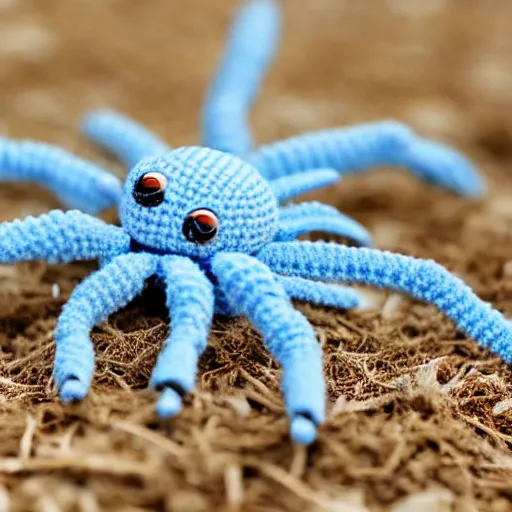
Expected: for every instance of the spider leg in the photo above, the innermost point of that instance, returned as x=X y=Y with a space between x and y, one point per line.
x=61 y=237
x=288 y=187
x=249 y=51
x=323 y=294
x=125 y=138
x=92 y=301
x=254 y=292
x=190 y=301
x=299 y=219
x=76 y=182
x=361 y=147
x=422 y=279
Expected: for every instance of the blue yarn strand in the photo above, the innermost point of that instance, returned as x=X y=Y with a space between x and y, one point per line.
x=421 y=279
x=91 y=303
x=300 y=219
x=190 y=301
x=252 y=41
x=121 y=136
x=251 y=288
x=322 y=294
x=289 y=187
x=441 y=165
x=358 y=148
x=75 y=182
x=61 y=237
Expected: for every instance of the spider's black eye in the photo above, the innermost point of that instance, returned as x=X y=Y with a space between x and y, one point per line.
x=149 y=190
x=201 y=226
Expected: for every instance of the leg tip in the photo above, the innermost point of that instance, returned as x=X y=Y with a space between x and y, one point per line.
x=302 y=430
x=445 y=167
x=169 y=404
x=73 y=390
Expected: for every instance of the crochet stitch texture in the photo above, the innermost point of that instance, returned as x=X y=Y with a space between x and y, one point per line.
x=208 y=225
x=241 y=270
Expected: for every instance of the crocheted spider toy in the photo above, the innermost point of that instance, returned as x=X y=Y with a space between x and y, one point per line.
x=292 y=166
x=207 y=225
x=204 y=222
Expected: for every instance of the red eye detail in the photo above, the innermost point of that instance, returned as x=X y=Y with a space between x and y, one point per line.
x=150 y=183
x=201 y=226
x=206 y=219
x=149 y=190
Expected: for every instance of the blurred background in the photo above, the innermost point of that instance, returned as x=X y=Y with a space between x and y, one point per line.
x=441 y=65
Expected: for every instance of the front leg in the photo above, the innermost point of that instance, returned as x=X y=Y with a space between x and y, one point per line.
x=190 y=301
x=92 y=301
x=253 y=291
x=61 y=237
x=422 y=279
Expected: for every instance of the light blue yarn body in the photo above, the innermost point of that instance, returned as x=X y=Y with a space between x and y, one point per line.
x=243 y=271
x=253 y=267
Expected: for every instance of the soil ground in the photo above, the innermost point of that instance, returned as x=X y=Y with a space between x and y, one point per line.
x=419 y=417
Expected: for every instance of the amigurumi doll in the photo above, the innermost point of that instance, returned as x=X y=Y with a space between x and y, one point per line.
x=207 y=224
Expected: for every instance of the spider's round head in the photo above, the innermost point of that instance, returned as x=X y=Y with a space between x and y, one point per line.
x=197 y=201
